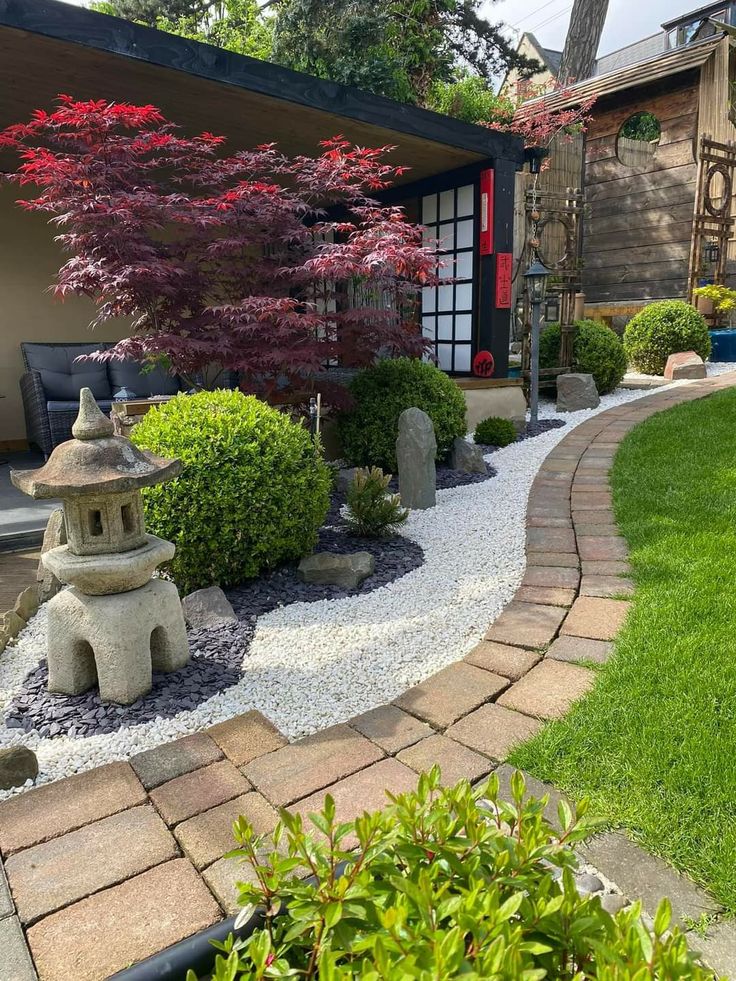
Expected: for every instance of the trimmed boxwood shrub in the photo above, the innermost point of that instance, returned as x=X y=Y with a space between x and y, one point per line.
x=252 y=493
x=597 y=351
x=380 y=394
x=662 y=329
x=495 y=431
x=443 y=883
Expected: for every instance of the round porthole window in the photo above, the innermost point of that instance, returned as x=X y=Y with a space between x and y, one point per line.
x=638 y=140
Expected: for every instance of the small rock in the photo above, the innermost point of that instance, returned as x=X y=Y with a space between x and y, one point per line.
x=467 y=457
x=612 y=902
x=10 y=626
x=684 y=365
x=587 y=883
x=345 y=478
x=416 y=448
x=333 y=568
x=17 y=764
x=54 y=536
x=27 y=603
x=576 y=391
x=207 y=608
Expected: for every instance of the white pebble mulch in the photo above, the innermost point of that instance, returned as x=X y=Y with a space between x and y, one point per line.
x=312 y=665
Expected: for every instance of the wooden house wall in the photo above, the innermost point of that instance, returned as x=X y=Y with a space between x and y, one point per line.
x=639 y=219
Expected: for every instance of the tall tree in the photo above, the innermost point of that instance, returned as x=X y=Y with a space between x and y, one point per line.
x=583 y=37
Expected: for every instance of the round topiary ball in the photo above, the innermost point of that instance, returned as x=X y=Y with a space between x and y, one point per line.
x=597 y=351
x=662 y=329
x=252 y=493
x=380 y=394
x=495 y=431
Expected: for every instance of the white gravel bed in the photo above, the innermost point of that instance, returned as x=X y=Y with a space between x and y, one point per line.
x=312 y=665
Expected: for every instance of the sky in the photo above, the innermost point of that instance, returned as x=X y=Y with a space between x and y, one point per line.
x=627 y=20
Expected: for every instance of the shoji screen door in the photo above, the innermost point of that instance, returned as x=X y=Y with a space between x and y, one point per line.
x=447 y=310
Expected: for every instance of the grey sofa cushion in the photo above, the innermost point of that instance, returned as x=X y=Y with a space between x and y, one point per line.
x=61 y=377
x=128 y=374
x=104 y=404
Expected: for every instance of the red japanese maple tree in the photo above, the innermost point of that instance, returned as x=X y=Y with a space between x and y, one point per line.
x=268 y=265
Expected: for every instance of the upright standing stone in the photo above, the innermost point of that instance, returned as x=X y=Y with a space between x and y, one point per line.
x=416 y=448
x=53 y=537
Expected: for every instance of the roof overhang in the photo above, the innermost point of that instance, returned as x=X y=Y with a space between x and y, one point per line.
x=683 y=59
x=48 y=47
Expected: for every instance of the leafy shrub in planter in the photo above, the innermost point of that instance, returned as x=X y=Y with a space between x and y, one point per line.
x=252 y=493
x=495 y=431
x=381 y=393
x=597 y=351
x=439 y=887
x=372 y=511
x=661 y=329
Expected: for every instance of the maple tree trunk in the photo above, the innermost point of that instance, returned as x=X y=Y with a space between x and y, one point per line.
x=583 y=36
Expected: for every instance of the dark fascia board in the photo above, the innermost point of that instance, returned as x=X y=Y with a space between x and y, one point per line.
x=77 y=25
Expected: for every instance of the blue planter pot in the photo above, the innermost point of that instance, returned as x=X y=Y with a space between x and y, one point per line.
x=724 y=345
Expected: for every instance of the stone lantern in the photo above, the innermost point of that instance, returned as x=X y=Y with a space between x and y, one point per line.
x=116 y=624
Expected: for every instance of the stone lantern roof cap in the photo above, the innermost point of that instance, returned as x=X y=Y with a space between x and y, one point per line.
x=95 y=462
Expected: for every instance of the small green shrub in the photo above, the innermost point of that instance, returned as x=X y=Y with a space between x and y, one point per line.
x=597 y=351
x=369 y=430
x=252 y=493
x=372 y=511
x=495 y=431
x=471 y=99
x=440 y=886
x=662 y=329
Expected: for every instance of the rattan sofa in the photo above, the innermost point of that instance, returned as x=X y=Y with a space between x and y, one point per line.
x=53 y=378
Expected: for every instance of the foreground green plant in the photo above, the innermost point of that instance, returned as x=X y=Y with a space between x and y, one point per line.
x=443 y=883
x=252 y=493
x=653 y=745
x=372 y=511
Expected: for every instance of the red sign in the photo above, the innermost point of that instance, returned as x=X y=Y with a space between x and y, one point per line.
x=483 y=364
x=504 y=263
x=486 y=212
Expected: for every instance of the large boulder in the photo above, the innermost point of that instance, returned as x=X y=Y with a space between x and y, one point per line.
x=576 y=391
x=416 y=448
x=467 y=457
x=347 y=570
x=17 y=764
x=207 y=608
x=684 y=365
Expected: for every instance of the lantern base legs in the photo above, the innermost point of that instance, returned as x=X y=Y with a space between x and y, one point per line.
x=115 y=641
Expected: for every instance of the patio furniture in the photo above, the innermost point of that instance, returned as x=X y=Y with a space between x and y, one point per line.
x=53 y=378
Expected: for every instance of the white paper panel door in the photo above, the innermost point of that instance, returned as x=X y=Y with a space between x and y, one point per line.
x=447 y=309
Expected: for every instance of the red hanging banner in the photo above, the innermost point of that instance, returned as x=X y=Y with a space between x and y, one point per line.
x=486 y=212
x=504 y=263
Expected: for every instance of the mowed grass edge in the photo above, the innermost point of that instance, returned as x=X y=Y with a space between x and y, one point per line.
x=654 y=743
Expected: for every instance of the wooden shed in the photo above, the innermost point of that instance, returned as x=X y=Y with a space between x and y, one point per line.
x=640 y=240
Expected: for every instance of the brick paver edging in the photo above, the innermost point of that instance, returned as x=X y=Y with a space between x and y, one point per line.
x=107 y=867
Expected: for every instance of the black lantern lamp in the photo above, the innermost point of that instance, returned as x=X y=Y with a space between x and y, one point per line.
x=712 y=251
x=535 y=279
x=552 y=308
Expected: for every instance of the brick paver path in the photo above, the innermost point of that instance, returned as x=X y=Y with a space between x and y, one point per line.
x=107 y=867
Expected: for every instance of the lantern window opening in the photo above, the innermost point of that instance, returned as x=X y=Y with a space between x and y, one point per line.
x=95 y=523
x=128 y=519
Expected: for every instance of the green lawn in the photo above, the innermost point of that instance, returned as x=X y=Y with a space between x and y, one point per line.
x=654 y=744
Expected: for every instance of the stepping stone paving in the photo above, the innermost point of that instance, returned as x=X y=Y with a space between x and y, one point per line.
x=133 y=852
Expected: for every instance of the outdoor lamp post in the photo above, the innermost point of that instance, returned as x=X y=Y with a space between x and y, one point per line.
x=536 y=286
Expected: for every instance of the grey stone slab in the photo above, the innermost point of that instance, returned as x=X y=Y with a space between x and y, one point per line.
x=15 y=962
x=534 y=788
x=718 y=947
x=640 y=875
x=6 y=902
x=163 y=763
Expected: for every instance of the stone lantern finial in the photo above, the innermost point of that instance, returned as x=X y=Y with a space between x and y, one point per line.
x=91 y=423
x=116 y=624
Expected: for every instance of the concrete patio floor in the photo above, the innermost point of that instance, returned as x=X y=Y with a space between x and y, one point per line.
x=22 y=520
